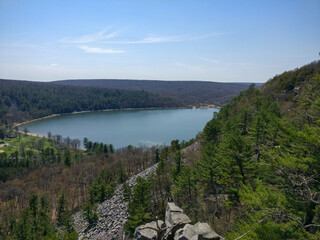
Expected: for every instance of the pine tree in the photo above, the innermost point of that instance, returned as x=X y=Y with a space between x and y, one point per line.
x=208 y=168
x=126 y=192
x=185 y=188
x=139 y=206
x=67 y=158
x=89 y=212
x=61 y=208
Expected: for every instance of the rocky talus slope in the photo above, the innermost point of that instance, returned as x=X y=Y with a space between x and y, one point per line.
x=112 y=214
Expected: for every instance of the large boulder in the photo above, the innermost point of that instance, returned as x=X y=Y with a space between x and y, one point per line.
x=199 y=231
x=176 y=227
x=149 y=231
x=175 y=219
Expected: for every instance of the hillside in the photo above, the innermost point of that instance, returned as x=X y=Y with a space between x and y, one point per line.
x=254 y=173
x=257 y=176
x=190 y=92
x=25 y=100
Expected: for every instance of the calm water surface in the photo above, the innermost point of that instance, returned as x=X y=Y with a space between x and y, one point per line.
x=132 y=127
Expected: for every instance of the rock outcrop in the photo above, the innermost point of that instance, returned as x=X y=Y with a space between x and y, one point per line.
x=112 y=214
x=198 y=231
x=149 y=231
x=176 y=227
x=175 y=219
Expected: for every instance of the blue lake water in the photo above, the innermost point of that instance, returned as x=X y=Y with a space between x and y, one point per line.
x=129 y=127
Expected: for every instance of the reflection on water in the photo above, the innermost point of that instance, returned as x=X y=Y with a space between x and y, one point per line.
x=123 y=128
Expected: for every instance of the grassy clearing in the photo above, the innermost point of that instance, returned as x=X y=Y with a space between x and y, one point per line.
x=27 y=142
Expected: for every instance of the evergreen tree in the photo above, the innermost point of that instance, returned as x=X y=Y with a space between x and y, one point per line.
x=122 y=175
x=209 y=169
x=111 y=148
x=67 y=158
x=126 y=192
x=139 y=206
x=89 y=212
x=175 y=171
x=62 y=214
x=185 y=188
x=157 y=156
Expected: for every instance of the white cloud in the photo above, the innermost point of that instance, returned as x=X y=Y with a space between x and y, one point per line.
x=100 y=50
x=165 y=39
x=156 y=40
x=96 y=37
x=53 y=64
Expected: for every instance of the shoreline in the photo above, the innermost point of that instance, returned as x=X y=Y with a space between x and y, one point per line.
x=106 y=110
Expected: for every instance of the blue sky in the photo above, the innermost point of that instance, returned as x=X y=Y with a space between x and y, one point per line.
x=211 y=40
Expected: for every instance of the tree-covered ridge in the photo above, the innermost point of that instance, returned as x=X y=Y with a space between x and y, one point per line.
x=263 y=151
x=23 y=100
x=189 y=92
x=258 y=176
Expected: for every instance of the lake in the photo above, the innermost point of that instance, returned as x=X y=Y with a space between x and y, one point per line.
x=129 y=127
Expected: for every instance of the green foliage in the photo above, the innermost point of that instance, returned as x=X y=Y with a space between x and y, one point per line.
x=212 y=129
x=260 y=160
x=63 y=215
x=208 y=168
x=122 y=175
x=99 y=191
x=33 y=100
x=24 y=153
x=126 y=192
x=102 y=188
x=34 y=221
x=185 y=188
x=139 y=206
x=67 y=158
x=2 y=133
x=157 y=156
x=89 y=212
x=176 y=170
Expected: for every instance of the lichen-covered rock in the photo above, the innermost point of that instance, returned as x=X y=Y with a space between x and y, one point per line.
x=175 y=218
x=149 y=231
x=175 y=215
x=198 y=231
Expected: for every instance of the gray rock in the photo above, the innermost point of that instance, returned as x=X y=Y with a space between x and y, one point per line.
x=175 y=215
x=175 y=218
x=112 y=214
x=148 y=231
x=201 y=231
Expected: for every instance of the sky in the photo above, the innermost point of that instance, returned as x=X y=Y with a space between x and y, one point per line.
x=207 y=40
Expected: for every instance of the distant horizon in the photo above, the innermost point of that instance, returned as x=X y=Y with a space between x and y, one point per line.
x=123 y=79
x=234 y=41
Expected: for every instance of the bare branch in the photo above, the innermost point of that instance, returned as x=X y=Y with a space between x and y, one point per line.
x=261 y=220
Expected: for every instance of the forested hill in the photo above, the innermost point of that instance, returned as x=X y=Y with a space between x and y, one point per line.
x=258 y=174
x=25 y=100
x=253 y=173
x=190 y=92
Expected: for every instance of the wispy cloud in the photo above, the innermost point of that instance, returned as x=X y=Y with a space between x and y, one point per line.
x=165 y=39
x=96 y=37
x=100 y=50
x=54 y=65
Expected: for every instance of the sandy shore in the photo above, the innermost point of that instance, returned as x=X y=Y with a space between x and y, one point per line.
x=209 y=106
x=30 y=134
